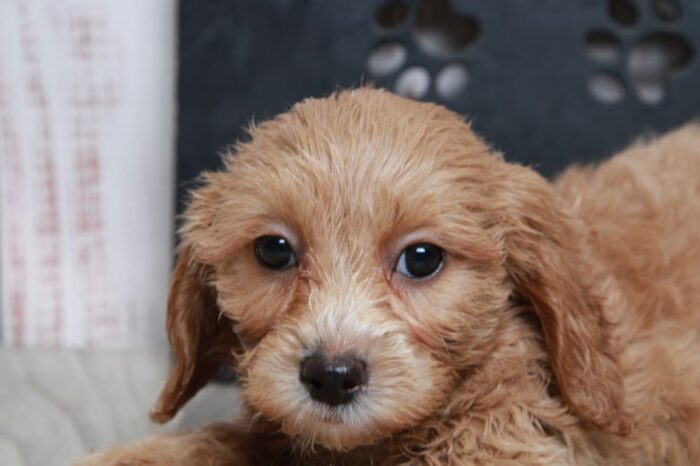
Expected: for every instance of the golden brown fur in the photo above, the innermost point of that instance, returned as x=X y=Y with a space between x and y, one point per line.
x=563 y=329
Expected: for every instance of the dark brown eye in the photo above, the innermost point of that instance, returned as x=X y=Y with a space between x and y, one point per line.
x=274 y=252
x=420 y=260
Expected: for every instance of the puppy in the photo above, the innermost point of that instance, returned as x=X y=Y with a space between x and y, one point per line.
x=391 y=292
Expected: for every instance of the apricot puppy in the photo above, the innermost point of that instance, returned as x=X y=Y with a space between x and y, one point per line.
x=391 y=292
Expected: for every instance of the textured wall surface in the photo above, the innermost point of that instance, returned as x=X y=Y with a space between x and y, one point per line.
x=87 y=110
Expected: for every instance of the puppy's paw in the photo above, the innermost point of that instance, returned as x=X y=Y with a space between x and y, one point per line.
x=215 y=445
x=164 y=449
x=133 y=455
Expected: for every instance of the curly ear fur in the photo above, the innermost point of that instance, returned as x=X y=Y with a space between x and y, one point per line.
x=548 y=263
x=200 y=338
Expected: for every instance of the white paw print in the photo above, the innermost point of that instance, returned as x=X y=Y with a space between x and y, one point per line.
x=434 y=32
x=643 y=61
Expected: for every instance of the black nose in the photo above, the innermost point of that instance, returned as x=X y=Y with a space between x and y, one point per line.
x=333 y=381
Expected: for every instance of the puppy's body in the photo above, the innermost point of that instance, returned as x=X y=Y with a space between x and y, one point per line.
x=642 y=210
x=564 y=327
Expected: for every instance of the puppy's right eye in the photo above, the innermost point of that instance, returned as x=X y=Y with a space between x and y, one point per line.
x=274 y=252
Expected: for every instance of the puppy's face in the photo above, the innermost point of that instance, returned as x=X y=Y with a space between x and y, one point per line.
x=354 y=257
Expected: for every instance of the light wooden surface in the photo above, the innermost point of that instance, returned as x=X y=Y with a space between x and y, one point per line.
x=57 y=405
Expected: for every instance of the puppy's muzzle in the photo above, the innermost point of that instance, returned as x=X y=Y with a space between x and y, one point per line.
x=333 y=381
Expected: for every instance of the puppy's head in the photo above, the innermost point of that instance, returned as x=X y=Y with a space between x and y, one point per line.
x=355 y=259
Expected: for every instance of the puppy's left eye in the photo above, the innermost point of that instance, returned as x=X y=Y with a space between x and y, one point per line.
x=274 y=252
x=420 y=260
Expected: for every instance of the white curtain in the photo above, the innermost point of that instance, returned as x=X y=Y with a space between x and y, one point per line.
x=87 y=125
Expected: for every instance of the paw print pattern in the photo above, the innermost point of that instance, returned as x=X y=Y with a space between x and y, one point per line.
x=646 y=60
x=432 y=29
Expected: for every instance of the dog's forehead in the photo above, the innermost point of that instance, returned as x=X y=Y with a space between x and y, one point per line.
x=357 y=152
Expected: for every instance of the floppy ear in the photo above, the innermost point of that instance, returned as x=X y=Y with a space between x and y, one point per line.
x=547 y=261
x=200 y=338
